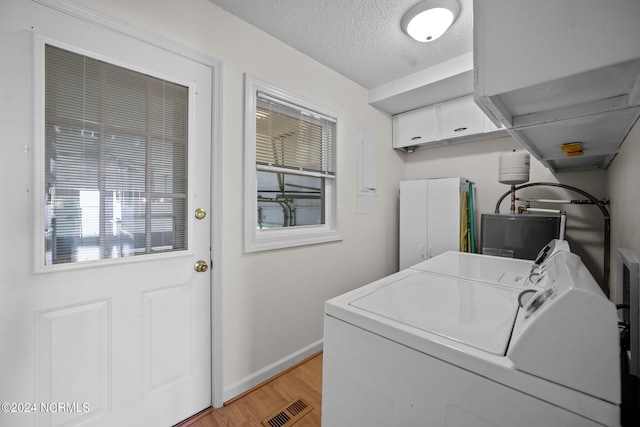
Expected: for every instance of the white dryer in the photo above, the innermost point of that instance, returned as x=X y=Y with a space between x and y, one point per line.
x=470 y=340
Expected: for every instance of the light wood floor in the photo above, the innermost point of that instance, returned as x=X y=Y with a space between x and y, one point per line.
x=302 y=381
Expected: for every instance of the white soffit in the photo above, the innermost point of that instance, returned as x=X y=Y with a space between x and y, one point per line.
x=446 y=80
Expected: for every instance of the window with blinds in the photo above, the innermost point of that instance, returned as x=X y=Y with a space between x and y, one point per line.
x=295 y=160
x=115 y=160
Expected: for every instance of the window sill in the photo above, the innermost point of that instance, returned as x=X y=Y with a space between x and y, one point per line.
x=265 y=240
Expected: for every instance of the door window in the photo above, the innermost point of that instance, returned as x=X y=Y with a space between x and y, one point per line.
x=115 y=160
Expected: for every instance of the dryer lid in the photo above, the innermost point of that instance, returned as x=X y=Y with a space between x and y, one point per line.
x=474 y=313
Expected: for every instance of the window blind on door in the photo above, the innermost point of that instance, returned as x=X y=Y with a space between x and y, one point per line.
x=293 y=139
x=115 y=160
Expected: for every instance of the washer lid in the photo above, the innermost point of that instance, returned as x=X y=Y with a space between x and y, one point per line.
x=485 y=268
x=474 y=313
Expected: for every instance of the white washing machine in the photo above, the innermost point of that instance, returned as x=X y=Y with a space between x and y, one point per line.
x=470 y=340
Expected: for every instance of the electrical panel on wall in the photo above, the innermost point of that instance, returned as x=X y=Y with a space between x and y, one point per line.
x=367 y=201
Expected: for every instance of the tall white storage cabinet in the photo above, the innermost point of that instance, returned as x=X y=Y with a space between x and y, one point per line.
x=430 y=218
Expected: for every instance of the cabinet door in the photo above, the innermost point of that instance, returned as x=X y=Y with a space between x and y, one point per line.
x=443 y=217
x=459 y=117
x=414 y=127
x=413 y=222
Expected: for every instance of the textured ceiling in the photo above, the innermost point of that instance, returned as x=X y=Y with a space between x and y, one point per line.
x=360 y=39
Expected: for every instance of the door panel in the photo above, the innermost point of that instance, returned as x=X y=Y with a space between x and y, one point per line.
x=166 y=332
x=444 y=215
x=123 y=341
x=73 y=361
x=414 y=215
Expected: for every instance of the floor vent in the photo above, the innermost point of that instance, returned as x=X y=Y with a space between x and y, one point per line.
x=288 y=415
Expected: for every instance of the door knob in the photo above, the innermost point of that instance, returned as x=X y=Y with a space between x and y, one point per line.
x=200 y=213
x=201 y=266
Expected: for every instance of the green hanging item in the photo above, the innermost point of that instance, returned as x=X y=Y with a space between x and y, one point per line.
x=472 y=227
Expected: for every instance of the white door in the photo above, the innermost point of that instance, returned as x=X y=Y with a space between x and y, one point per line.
x=443 y=220
x=104 y=320
x=414 y=213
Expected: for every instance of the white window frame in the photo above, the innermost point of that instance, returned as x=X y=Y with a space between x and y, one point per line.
x=276 y=238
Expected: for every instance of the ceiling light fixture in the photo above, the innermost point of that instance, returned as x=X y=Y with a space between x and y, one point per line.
x=429 y=19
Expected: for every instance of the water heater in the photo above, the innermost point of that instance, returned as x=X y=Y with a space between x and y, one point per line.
x=518 y=235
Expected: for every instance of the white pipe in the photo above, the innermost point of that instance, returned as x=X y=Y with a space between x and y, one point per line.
x=543 y=210
x=544 y=200
x=563 y=225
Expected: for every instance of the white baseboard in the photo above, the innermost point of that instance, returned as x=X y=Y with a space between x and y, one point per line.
x=247 y=383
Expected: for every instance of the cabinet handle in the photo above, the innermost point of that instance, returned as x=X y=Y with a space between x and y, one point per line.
x=415 y=138
x=460 y=129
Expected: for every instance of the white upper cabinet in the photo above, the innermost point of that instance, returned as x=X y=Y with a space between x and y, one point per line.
x=449 y=122
x=549 y=71
x=459 y=117
x=414 y=127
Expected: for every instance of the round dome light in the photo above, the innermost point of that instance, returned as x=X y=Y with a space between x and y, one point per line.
x=430 y=19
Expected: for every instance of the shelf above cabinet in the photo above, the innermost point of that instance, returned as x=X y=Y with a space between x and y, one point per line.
x=447 y=80
x=576 y=81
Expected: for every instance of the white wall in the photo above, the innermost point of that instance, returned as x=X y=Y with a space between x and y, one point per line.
x=478 y=161
x=273 y=301
x=624 y=187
